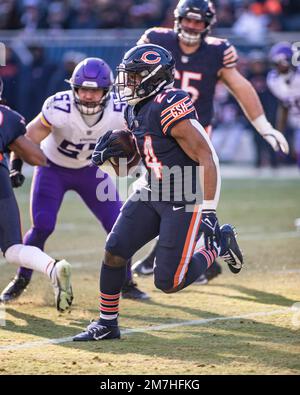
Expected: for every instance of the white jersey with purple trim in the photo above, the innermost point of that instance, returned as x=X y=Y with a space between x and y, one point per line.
x=286 y=87
x=71 y=141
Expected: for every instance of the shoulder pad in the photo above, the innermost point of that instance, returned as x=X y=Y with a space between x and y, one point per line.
x=56 y=108
x=152 y=33
x=175 y=104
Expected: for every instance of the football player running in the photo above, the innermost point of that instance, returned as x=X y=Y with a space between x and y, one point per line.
x=12 y=131
x=67 y=129
x=284 y=82
x=201 y=61
x=168 y=136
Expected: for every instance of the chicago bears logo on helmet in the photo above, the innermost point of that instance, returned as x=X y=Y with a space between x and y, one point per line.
x=151 y=57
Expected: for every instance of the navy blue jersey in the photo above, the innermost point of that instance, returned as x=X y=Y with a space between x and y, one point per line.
x=151 y=122
x=12 y=125
x=196 y=73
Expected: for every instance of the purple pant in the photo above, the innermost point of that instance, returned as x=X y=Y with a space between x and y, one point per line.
x=49 y=186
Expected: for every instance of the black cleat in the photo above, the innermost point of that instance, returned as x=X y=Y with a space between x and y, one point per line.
x=131 y=291
x=96 y=331
x=143 y=268
x=14 y=289
x=230 y=250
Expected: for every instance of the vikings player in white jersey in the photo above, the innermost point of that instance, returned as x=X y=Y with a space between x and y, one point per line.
x=67 y=129
x=284 y=82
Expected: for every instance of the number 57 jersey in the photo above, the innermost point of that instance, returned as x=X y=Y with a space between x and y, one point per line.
x=71 y=141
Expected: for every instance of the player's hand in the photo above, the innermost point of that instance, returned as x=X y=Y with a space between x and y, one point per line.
x=104 y=150
x=16 y=177
x=277 y=140
x=210 y=228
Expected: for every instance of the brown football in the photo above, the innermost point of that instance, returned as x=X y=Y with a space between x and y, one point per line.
x=126 y=140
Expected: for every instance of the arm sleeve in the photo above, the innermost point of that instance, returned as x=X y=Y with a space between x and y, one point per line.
x=16 y=127
x=155 y=35
x=175 y=106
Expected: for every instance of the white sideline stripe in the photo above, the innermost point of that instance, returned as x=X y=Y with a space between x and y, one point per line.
x=61 y=340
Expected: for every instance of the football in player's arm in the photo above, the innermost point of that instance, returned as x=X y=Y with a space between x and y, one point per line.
x=67 y=128
x=201 y=61
x=168 y=135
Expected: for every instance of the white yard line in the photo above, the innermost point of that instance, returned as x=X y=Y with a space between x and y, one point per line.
x=47 y=342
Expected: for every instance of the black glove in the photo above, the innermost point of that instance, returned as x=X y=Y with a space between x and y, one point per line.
x=16 y=177
x=104 y=149
x=209 y=226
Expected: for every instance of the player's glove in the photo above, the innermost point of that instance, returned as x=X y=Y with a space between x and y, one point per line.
x=209 y=226
x=275 y=138
x=16 y=177
x=104 y=149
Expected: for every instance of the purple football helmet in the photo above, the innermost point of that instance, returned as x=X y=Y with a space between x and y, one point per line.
x=91 y=73
x=281 y=55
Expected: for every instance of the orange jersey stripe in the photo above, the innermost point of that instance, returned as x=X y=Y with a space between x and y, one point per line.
x=173 y=105
x=175 y=119
x=170 y=115
x=187 y=245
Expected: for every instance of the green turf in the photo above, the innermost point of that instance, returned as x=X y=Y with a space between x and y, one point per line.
x=263 y=212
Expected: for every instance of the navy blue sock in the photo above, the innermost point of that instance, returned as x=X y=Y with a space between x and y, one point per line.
x=129 y=273
x=198 y=265
x=111 y=282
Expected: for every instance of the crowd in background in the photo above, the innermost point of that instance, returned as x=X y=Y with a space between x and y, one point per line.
x=28 y=84
x=29 y=15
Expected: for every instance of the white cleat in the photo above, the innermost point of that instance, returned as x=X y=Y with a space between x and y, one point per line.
x=62 y=285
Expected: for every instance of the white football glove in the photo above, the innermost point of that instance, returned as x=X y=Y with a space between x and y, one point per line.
x=275 y=138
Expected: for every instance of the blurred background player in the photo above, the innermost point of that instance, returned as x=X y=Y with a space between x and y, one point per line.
x=164 y=123
x=67 y=128
x=12 y=130
x=284 y=82
x=201 y=61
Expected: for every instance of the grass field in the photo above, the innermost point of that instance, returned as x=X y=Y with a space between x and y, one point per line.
x=235 y=325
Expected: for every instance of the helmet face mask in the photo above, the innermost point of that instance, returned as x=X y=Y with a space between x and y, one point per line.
x=198 y=10
x=92 y=74
x=144 y=71
x=87 y=107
